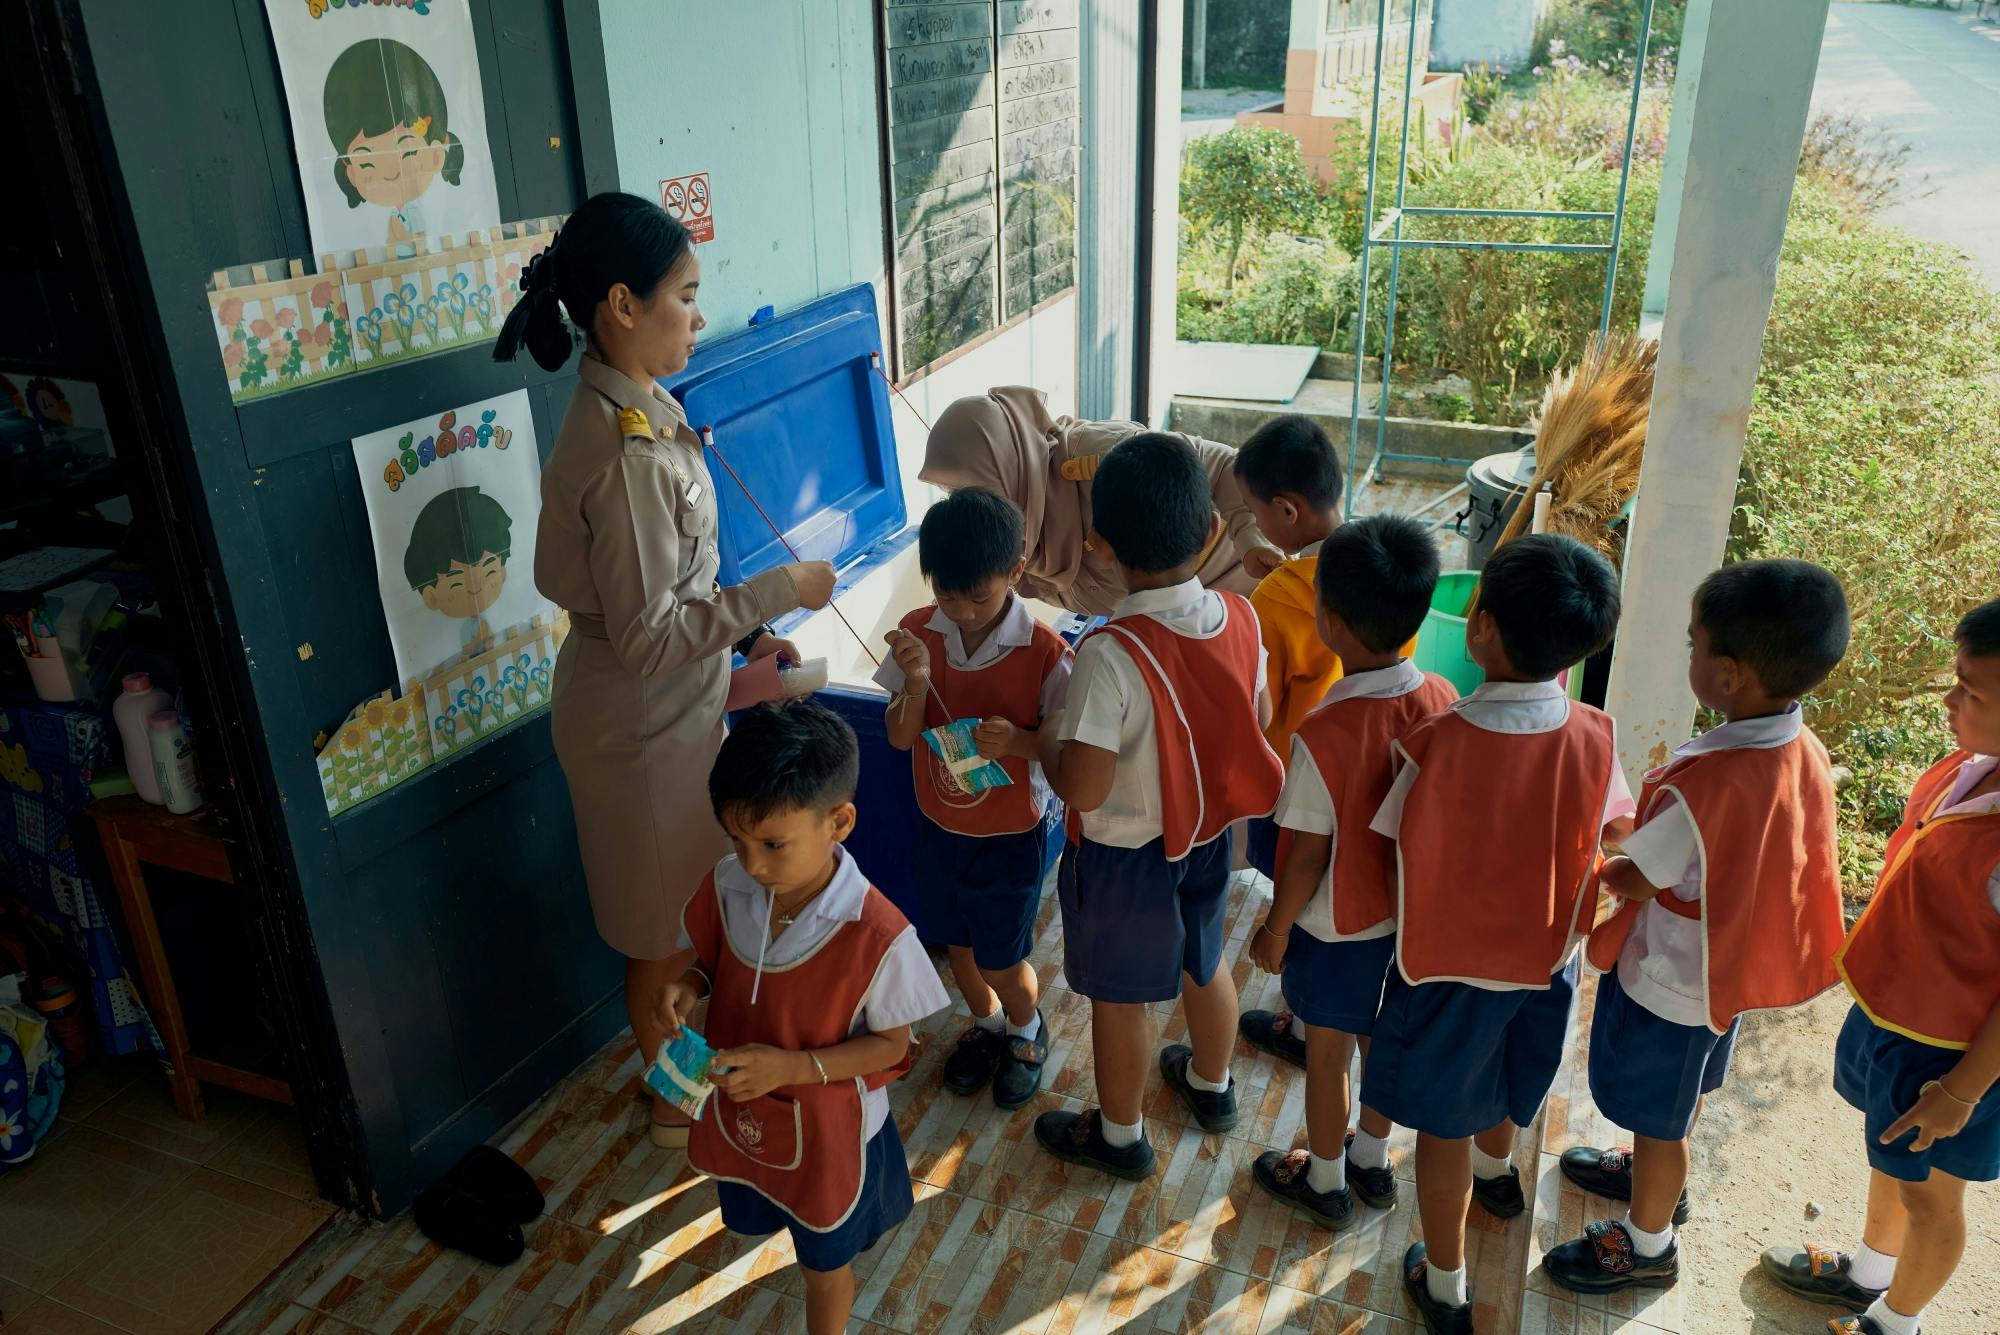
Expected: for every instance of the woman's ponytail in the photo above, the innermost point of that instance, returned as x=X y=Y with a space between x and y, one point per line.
x=613 y=238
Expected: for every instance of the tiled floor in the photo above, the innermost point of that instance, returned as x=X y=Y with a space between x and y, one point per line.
x=1003 y=1238
x=132 y=1219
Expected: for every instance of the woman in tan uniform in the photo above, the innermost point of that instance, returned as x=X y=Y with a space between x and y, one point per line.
x=627 y=545
x=1007 y=440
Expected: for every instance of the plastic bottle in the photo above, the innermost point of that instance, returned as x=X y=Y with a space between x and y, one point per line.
x=131 y=711
x=173 y=762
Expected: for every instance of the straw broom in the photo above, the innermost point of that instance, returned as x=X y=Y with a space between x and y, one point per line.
x=1589 y=436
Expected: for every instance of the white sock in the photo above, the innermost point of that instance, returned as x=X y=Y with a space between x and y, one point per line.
x=1871 y=1269
x=1119 y=1134
x=1028 y=1030
x=1446 y=1286
x=1298 y=1029
x=1195 y=1081
x=995 y=1023
x=1648 y=1245
x=1890 y=1320
x=1366 y=1151
x=1327 y=1174
x=1485 y=1165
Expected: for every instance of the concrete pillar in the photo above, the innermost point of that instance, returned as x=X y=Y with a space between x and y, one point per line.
x=1739 y=117
x=1307 y=48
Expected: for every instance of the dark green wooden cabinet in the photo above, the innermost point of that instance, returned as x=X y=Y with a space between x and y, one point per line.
x=444 y=959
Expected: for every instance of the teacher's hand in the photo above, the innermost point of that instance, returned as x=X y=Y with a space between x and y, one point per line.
x=768 y=644
x=1261 y=561
x=813 y=582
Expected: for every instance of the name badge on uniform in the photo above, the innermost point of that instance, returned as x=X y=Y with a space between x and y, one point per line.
x=690 y=487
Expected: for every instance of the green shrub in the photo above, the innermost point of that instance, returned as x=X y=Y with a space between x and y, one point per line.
x=1300 y=291
x=1607 y=31
x=1853 y=159
x=1243 y=184
x=1580 y=111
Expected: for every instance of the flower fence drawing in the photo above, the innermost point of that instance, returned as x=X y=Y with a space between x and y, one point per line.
x=276 y=334
x=385 y=741
x=480 y=694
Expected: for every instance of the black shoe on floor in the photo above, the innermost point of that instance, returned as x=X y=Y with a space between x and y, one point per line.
x=1212 y=1111
x=1272 y=1031
x=1500 y=1196
x=1019 y=1074
x=492 y=1176
x=1608 y=1173
x=1283 y=1174
x=451 y=1216
x=1603 y=1261
x=972 y=1063
x=1079 y=1139
x=1439 y=1318
x=1819 y=1274
x=1375 y=1186
x=1862 y=1324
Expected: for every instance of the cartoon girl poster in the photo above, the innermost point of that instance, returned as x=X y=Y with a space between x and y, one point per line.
x=452 y=504
x=388 y=120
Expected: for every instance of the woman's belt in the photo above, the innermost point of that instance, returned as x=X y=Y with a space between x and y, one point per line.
x=589 y=626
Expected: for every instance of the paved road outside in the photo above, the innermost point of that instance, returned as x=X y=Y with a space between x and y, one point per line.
x=1931 y=77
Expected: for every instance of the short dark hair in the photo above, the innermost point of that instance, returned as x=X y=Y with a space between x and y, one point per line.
x=1151 y=502
x=1978 y=631
x=1378 y=575
x=797 y=756
x=1785 y=620
x=967 y=538
x=1290 y=453
x=1553 y=600
x=462 y=525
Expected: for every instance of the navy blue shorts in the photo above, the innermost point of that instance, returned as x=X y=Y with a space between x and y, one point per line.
x=1134 y=922
x=980 y=892
x=1336 y=984
x=1260 y=846
x=1452 y=1060
x=1882 y=1073
x=1648 y=1074
x=886 y=1198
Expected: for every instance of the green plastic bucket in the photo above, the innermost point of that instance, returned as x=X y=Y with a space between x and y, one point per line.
x=1441 y=642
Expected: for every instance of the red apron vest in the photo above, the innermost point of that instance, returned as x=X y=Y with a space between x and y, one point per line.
x=1924 y=961
x=1010 y=688
x=1352 y=742
x=802 y=1146
x=1770 y=896
x=1204 y=692
x=1498 y=846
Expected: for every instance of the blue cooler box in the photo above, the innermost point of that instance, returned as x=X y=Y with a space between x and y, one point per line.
x=800 y=410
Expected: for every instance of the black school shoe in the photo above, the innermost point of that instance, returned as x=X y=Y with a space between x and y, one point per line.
x=1375 y=1186
x=1019 y=1073
x=1501 y=1196
x=1212 y=1111
x=1272 y=1031
x=1439 y=1318
x=1819 y=1274
x=974 y=1060
x=452 y=1216
x=1078 y=1138
x=1608 y=1173
x=1603 y=1260
x=1284 y=1175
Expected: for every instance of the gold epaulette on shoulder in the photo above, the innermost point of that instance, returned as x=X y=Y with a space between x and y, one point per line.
x=633 y=423
x=1081 y=468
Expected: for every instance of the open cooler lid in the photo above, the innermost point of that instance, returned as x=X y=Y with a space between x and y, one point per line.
x=800 y=411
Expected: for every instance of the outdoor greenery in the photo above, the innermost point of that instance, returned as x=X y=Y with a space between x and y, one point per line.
x=1875 y=430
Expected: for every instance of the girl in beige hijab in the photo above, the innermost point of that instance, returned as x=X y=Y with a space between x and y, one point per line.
x=1007 y=440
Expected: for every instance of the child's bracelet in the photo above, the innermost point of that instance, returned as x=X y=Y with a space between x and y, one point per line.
x=707 y=983
x=1266 y=927
x=816 y=1065
x=1939 y=1086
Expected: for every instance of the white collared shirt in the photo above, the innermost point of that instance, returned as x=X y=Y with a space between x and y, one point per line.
x=1306 y=805
x=1015 y=631
x=1109 y=706
x=1970 y=774
x=906 y=987
x=1661 y=965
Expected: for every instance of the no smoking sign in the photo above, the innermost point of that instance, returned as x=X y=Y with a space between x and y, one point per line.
x=686 y=198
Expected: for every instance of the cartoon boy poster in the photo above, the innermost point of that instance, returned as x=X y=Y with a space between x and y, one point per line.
x=388 y=121
x=452 y=503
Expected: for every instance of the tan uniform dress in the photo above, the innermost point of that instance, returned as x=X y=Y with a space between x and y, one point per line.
x=627 y=545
